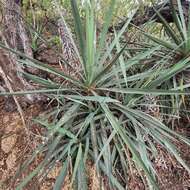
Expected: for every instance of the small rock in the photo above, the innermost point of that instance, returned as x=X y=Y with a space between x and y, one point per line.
x=54 y=172
x=11 y=160
x=10 y=105
x=6 y=119
x=8 y=143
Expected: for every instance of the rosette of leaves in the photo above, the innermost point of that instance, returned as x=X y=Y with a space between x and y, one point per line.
x=98 y=118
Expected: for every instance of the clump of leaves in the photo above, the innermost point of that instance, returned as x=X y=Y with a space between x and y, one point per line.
x=176 y=40
x=177 y=33
x=99 y=118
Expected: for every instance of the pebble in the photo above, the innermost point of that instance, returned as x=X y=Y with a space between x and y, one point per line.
x=8 y=143
x=11 y=160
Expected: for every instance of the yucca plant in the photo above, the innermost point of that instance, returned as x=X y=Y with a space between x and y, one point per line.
x=177 y=32
x=175 y=39
x=99 y=118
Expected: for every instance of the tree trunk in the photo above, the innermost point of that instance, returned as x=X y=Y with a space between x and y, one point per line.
x=14 y=36
x=14 y=28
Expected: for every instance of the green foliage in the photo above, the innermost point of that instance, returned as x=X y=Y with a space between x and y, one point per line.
x=178 y=34
x=99 y=117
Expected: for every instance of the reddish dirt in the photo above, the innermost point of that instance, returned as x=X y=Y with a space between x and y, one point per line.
x=16 y=147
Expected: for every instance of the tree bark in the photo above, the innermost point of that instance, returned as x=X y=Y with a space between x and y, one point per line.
x=14 y=28
x=14 y=36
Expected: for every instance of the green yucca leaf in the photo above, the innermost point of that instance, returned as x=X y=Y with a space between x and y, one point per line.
x=81 y=176
x=67 y=116
x=142 y=146
x=181 y=87
x=121 y=60
x=37 y=64
x=109 y=65
x=60 y=130
x=170 y=31
x=161 y=42
x=90 y=40
x=129 y=63
x=41 y=166
x=106 y=144
x=79 y=30
x=188 y=31
x=85 y=124
x=158 y=133
x=145 y=91
x=43 y=91
x=29 y=177
x=49 y=69
x=107 y=157
x=115 y=124
x=107 y=21
x=60 y=179
x=66 y=132
x=113 y=179
x=156 y=123
x=182 y=19
x=169 y=73
x=77 y=162
x=87 y=146
x=171 y=148
x=94 y=143
x=41 y=148
x=100 y=99
x=41 y=81
x=120 y=147
x=113 y=44
x=177 y=21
